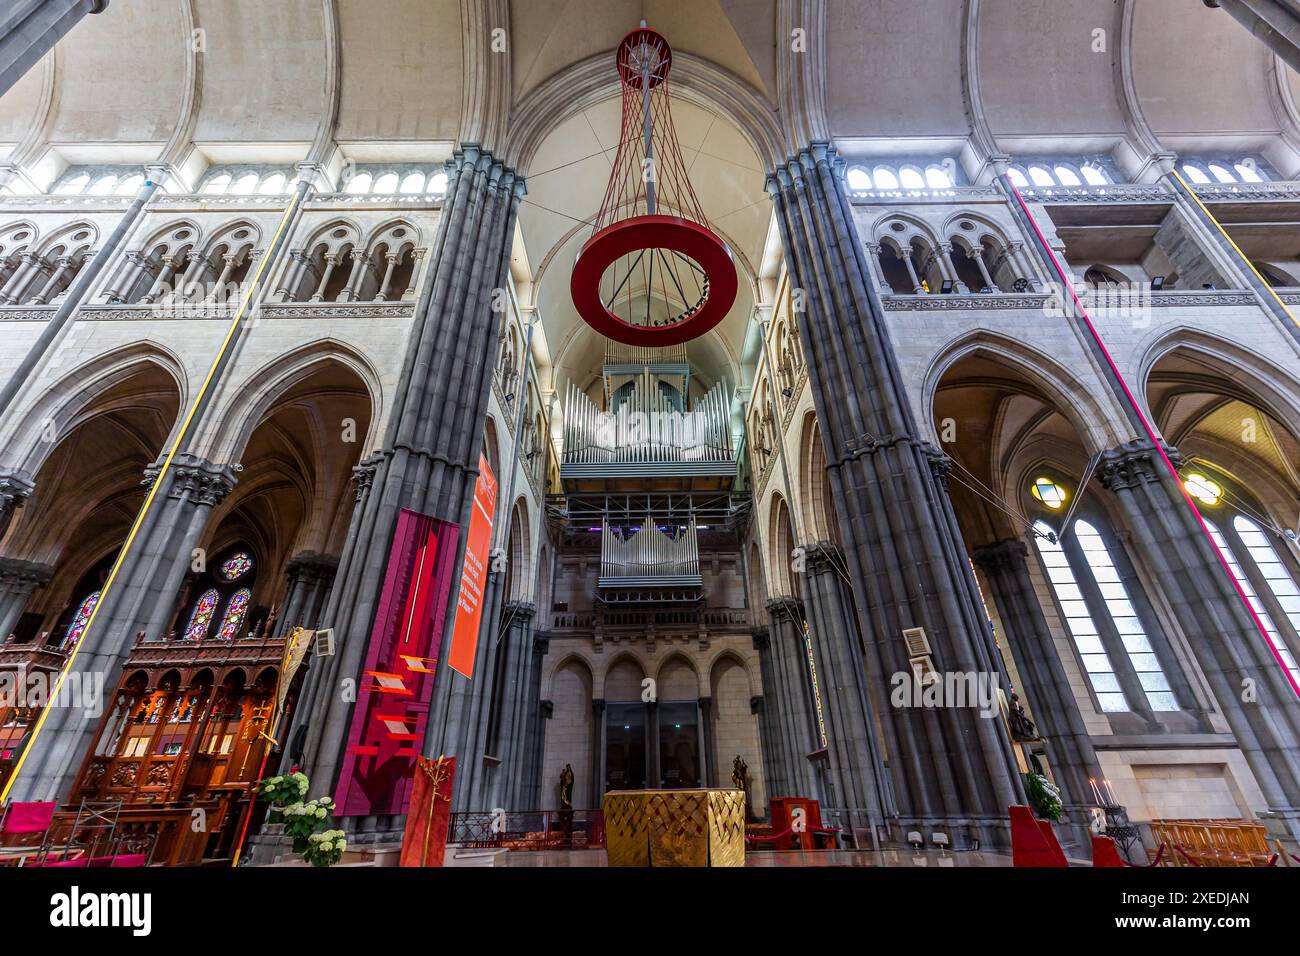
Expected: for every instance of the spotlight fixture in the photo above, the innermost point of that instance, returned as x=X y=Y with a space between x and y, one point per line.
x=945 y=287
x=1157 y=283
x=510 y=397
x=1208 y=285
x=787 y=391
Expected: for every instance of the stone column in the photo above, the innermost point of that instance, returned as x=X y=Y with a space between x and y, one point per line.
x=597 y=753
x=854 y=766
x=708 y=759
x=18 y=579
x=1043 y=680
x=768 y=731
x=308 y=575
x=30 y=28
x=907 y=565
x=429 y=458
x=526 y=789
x=143 y=598
x=1248 y=684
x=794 y=719
x=513 y=702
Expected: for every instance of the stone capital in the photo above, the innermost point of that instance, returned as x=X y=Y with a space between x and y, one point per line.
x=1009 y=553
x=195 y=479
x=1132 y=464
x=20 y=575
x=15 y=488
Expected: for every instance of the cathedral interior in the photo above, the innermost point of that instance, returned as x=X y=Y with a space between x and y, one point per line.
x=943 y=454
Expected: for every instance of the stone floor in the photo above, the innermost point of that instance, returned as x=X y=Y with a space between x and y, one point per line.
x=784 y=858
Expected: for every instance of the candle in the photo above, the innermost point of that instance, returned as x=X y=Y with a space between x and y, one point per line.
x=1110 y=794
x=1095 y=792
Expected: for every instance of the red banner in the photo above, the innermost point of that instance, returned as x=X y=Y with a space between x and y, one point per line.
x=425 y=840
x=396 y=685
x=469 y=607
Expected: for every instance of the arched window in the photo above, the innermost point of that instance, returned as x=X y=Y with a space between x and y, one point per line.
x=1275 y=574
x=359 y=184
x=245 y=185
x=936 y=177
x=1243 y=581
x=1248 y=173
x=412 y=183
x=74 y=184
x=273 y=185
x=1017 y=178
x=387 y=183
x=103 y=186
x=910 y=178
x=1125 y=618
x=201 y=617
x=1040 y=176
x=217 y=185
x=859 y=179
x=1067 y=176
x=885 y=178
x=235 y=612
x=79 y=622
x=129 y=185
x=1079 y=622
x=1194 y=173
x=1094 y=175
x=1222 y=173
x=438 y=184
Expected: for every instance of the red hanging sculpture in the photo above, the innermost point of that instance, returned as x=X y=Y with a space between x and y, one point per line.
x=653 y=272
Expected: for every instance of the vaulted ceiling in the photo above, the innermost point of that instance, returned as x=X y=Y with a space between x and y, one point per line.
x=193 y=82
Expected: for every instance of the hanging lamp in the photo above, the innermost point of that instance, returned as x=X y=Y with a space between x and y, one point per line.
x=653 y=272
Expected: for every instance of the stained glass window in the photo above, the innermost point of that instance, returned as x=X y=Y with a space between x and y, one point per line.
x=235 y=612
x=201 y=618
x=236 y=566
x=1048 y=492
x=78 y=625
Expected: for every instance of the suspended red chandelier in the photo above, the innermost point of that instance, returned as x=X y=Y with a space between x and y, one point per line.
x=653 y=272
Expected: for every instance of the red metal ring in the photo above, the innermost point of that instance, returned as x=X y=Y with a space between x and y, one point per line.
x=653 y=232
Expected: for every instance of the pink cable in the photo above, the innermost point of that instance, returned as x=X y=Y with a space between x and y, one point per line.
x=1151 y=434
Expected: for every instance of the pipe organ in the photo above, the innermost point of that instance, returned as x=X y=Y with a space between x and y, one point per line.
x=647 y=433
x=650 y=556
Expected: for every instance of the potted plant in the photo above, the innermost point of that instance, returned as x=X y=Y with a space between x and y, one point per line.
x=310 y=823
x=1043 y=796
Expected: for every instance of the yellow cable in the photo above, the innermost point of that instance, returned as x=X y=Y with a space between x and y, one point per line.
x=1250 y=265
x=148 y=501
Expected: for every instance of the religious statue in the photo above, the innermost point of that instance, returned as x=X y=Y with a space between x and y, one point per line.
x=1022 y=728
x=740 y=780
x=566 y=788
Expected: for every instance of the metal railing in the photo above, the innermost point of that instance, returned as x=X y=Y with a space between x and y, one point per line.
x=528 y=829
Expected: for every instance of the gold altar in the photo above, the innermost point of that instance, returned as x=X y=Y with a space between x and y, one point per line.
x=675 y=827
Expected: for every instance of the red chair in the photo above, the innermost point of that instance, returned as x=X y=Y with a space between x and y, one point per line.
x=1033 y=841
x=26 y=820
x=1104 y=852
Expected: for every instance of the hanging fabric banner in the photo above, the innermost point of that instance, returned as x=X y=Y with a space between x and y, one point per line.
x=469 y=607
x=396 y=683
